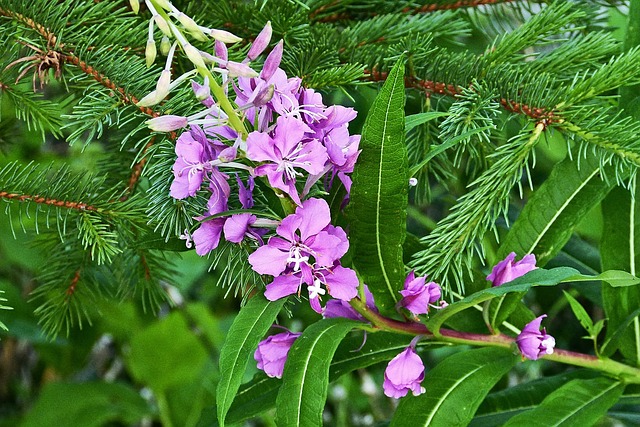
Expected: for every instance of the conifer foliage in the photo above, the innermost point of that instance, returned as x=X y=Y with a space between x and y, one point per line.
x=223 y=127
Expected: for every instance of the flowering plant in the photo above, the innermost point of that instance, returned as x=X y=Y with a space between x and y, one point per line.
x=360 y=218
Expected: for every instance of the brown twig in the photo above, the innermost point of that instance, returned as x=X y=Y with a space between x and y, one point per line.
x=47 y=201
x=71 y=289
x=427 y=8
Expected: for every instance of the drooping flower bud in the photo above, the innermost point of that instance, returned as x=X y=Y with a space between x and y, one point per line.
x=264 y=96
x=223 y=36
x=260 y=43
x=272 y=62
x=162 y=24
x=418 y=295
x=167 y=123
x=534 y=343
x=506 y=270
x=150 y=52
x=162 y=90
x=165 y=45
x=165 y=4
x=202 y=92
x=135 y=6
x=404 y=373
x=194 y=55
x=271 y=353
x=238 y=69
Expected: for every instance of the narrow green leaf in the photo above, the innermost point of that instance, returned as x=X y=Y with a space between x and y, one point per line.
x=305 y=380
x=537 y=277
x=248 y=328
x=580 y=313
x=615 y=278
x=378 y=206
x=620 y=249
x=418 y=119
x=260 y=393
x=499 y=406
x=455 y=388
x=577 y=403
x=612 y=343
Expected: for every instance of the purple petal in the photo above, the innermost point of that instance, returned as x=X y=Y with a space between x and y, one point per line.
x=237 y=226
x=342 y=283
x=282 y=286
x=271 y=353
x=268 y=260
x=207 y=236
x=315 y=216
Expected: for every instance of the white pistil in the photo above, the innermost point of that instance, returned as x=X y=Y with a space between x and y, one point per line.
x=316 y=289
x=296 y=258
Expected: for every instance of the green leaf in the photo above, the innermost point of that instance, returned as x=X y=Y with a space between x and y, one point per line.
x=420 y=118
x=549 y=218
x=612 y=343
x=305 y=380
x=620 y=250
x=580 y=313
x=455 y=388
x=616 y=278
x=499 y=406
x=260 y=393
x=91 y=404
x=378 y=206
x=537 y=277
x=248 y=328
x=579 y=402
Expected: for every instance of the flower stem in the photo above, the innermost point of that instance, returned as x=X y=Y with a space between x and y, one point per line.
x=624 y=373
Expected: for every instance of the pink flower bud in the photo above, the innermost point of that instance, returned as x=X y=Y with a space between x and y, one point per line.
x=271 y=353
x=404 y=373
x=221 y=50
x=260 y=43
x=534 y=343
x=264 y=96
x=507 y=270
x=167 y=123
x=272 y=62
x=224 y=36
x=150 y=52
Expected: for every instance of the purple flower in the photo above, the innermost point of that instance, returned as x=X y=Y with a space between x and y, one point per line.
x=304 y=238
x=506 y=270
x=207 y=236
x=534 y=343
x=404 y=373
x=245 y=194
x=340 y=308
x=190 y=166
x=285 y=153
x=340 y=283
x=417 y=296
x=271 y=353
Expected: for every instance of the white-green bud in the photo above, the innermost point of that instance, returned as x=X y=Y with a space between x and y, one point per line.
x=150 y=52
x=165 y=45
x=162 y=24
x=224 y=36
x=135 y=6
x=194 y=55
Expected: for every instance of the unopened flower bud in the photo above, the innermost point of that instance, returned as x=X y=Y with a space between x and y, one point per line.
x=188 y=23
x=162 y=24
x=162 y=87
x=194 y=55
x=224 y=36
x=165 y=45
x=272 y=62
x=238 y=69
x=264 y=96
x=228 y=154
x=166 y=123
x=261 y=42
x=150 y=52
x=135 y=6
x=221 y=50
x=150 y=99
x=202 y=92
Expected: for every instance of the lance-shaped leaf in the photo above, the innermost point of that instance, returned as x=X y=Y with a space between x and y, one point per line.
x=455 y=388
x=378 y=206
x=498 y=407
x=577 y=403
x=620 y=249
x=247 y=330
x=548 y=219
x=260 y=393
x=305 y=380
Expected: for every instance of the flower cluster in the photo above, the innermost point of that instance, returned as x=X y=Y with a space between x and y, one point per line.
x=294 y=141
